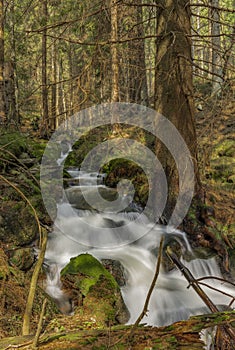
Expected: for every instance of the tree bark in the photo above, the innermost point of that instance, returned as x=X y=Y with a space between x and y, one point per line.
x=2 y=82
x=45 y=110
x=114 y=51
x=174 y=88
x=11 y=79
x=136 y=82
x=54 y=89
x=217 y=79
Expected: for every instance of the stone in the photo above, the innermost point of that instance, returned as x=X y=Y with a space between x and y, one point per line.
x=94 y=290
x=116 y=269
x=76 y=198
x=23 y=258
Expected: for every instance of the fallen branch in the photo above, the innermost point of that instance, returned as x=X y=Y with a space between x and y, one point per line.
x=194 y=283
x=144 y=336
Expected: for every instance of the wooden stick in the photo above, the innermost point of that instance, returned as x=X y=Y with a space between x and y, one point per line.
x=39 y=328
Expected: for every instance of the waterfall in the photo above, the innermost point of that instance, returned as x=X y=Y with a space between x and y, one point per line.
x=171 y=299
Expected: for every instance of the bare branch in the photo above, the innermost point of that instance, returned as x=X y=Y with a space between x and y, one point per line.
x=224 y=9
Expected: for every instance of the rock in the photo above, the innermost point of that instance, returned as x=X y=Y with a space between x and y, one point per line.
x=94 y=291
x=18 y=225
x=76 y=198
x=116 y=269
x=22 y=258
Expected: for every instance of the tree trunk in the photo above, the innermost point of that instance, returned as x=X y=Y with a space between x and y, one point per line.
x=174 y=88
x=45 y=111
x=11 y=79
x=54 y=89
x=114 y=51
x=2 y=83
x=217 y=79
x=136 y=87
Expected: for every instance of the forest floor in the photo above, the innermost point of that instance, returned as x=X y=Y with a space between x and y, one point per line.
x=216 y=140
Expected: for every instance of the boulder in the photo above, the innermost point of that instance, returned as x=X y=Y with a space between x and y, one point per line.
x=76 y=198
x=17 y=223
x=94 y=291
x=23 y=258
x=116 y=269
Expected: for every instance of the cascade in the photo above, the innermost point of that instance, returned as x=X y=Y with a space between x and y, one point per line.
x=75 y=232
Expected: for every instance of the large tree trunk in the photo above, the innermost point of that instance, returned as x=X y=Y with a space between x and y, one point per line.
x=2 y=83
x=174 y=88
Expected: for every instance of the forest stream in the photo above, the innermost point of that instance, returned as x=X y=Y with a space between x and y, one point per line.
x=101 y=235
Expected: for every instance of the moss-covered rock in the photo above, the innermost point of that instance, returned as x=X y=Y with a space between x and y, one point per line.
x=94 y=291
x=18 y=148
x=22 y=258
x=119 y=169
x=19 y=163
x=18 y=225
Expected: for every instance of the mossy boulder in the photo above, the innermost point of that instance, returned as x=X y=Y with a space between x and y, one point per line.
x=19 y=164
x=23 y=258
x=17 y=225
x=119 y=169
x=94 y=291
x=19 y=146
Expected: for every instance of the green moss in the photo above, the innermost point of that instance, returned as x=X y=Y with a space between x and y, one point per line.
x=224 y=149
x=37 y=148
x=95 y=290
x=91 y=269
x=14 y=142
x=119 y=169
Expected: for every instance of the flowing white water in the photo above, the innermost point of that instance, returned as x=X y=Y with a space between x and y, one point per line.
x=171 y=300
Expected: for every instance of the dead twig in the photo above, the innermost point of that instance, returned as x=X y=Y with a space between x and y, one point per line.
x=39 y=328
x=145 y=308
